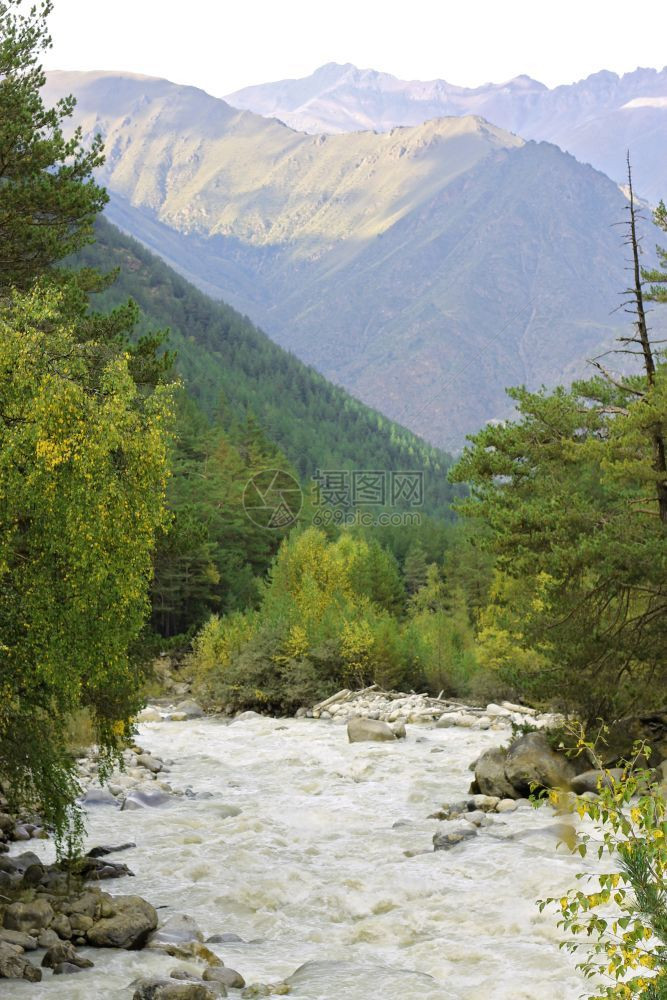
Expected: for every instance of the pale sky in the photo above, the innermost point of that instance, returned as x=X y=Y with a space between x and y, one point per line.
x=221 y=46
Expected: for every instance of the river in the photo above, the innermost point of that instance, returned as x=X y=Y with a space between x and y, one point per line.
x=314 y=869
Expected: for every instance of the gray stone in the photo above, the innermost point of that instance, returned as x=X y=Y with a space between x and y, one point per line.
x=61 y=926
x=487 y=803
x=28 y=917
x=48 y=938
x=228 y=977
x=490 y=775
x=531 y=763
x=445 y=839
x=477 y=817
x=143 y=798
x=592 y=781
x=171 y=989
x=176 y=934
x=18 y=938
x=63 y=952
x=506 y=806
x=149 y=714
x=68 y=968
x=96 y=796
x=149 y=762
x=498 y=711
x=361 y=730
x=14 y=966
x=190 y=709
x=132 y=920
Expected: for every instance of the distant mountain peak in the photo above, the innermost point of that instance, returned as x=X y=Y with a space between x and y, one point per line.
x=596 y=119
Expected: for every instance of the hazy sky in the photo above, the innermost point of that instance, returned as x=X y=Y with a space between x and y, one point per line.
x=221 y=45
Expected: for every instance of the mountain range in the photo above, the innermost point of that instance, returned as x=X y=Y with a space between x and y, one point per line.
x=424 y=268
x=597 y=119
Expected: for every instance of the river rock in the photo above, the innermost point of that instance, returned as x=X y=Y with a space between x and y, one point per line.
x=487 y=803
x=506 y=806
x=96 y=796
x=187 y=710
x=398 y=729
x=95 y=869
x=531 y=762
x=256 y=990
x=228 y=977
x=178 y=936
x=67 y=968
x=64 y=952
x=28 y=917
x=171 y=989
x=19 y=939
x=592 y=781
x=21 y=862
x=490 y=775
x=130 y=922
x=477 y=818
x=145 y=798
x=149 y=762
x=498 y=711
x=149 y=714
x=61 y=925
x=104 y=849
x=48 y=937
x=445 y=839
x=360 y=730
x=14 y=966
x=623 y=734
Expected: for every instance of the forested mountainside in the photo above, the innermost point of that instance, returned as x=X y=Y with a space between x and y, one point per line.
x=232 y=370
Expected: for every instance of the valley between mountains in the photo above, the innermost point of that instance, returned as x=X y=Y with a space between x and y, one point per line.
x=423 y=269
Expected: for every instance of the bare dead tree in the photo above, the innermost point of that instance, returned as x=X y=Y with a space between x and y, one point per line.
x=634 y=303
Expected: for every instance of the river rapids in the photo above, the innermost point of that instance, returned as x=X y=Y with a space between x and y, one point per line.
x=329 y=866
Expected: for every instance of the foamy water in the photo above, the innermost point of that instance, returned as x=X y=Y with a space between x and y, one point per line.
x=313 y=869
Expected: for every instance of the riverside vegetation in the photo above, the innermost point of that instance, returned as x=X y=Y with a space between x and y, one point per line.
x=122 y=525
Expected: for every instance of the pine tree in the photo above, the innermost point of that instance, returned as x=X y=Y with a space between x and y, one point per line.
x=48 y=198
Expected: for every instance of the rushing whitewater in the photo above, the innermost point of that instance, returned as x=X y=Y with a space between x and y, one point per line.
x=330 y=862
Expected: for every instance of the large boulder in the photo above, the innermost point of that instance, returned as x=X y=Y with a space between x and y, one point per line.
x=624 y=733
x=362 y=730
x=19 y=939
x=14 y=966
x=129 y=922
x=27 y=917
x=593 y=781
x=64 y=952
x=179 y=935
x=532 y=763
x=146 y=798
x=490 y=775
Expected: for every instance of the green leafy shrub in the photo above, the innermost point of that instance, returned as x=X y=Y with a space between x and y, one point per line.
x=624 y=917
